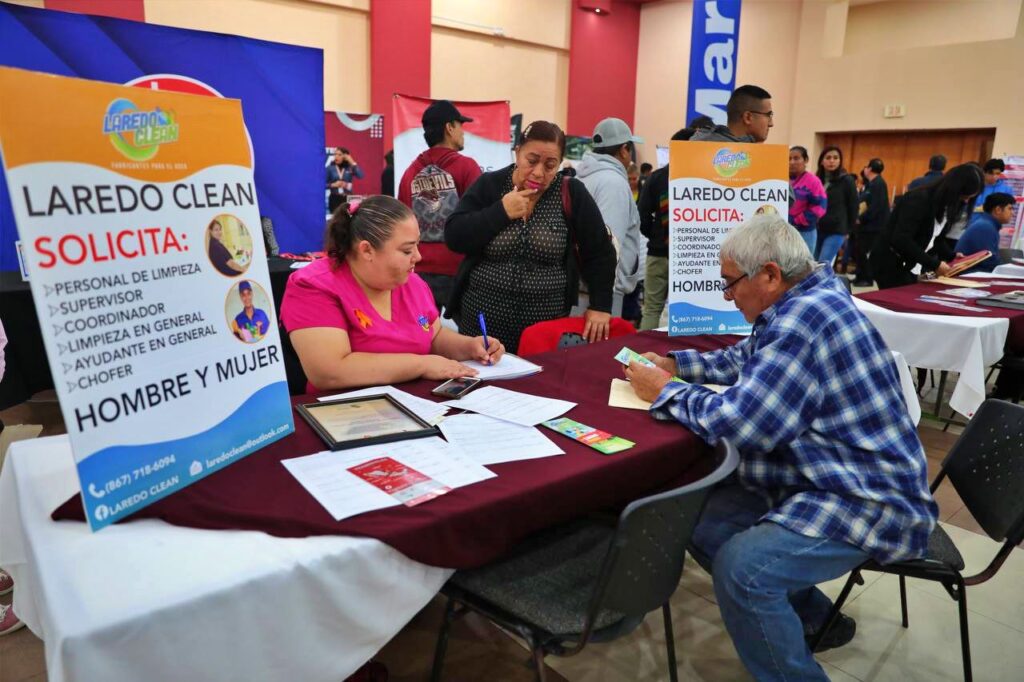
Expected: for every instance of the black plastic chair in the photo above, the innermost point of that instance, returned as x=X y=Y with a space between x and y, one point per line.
x=588 y=581
x=1007 y=255
x=986 y=467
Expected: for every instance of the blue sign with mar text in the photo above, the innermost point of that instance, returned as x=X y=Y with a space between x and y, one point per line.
x=714 y=42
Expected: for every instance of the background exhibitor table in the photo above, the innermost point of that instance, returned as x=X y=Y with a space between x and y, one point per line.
x=150 y=600
x=966 y=345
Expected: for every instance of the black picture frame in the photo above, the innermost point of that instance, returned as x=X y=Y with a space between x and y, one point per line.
x=338 y=424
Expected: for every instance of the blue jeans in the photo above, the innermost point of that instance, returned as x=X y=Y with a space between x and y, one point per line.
x=828 y=247
x=810 y=237
x=764 y=577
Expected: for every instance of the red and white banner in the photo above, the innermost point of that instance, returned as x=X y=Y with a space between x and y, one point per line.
x=486 y=137
x=363 y=136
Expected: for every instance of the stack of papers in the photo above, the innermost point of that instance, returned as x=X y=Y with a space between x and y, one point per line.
x=427 y=410
x=491 y=441
x=512 y=406
x=343 y=494
x=509 y=367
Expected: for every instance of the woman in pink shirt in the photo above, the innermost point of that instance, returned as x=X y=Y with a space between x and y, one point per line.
x=361 y=316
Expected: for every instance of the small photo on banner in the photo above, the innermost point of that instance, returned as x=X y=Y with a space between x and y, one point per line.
x=486 y=136
x=363 y=136
x=714 y=187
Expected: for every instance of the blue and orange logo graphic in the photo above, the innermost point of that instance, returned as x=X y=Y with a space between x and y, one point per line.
x=138 y=134
x=728 y=164
x=424 y=323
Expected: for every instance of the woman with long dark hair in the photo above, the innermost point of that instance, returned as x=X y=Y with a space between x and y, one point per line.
x=913 y=240
x=841 y=209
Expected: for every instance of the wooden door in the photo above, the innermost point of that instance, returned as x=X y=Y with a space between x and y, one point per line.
x=906 y=152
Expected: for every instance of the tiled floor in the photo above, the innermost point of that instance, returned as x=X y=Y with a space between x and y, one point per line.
x=882 y=650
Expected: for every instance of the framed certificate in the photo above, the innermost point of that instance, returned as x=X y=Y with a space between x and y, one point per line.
x=364 y=420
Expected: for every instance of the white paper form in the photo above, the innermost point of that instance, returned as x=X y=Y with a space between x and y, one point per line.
x=512 y=406
x=427 y=410
x=343 y=494
x=508 y=367
x=492 y=441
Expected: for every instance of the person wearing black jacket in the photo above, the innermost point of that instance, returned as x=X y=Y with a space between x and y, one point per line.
x=653 y=205
x=876 y=195
x=529 y=233
x=841 y=208
x=914 y=233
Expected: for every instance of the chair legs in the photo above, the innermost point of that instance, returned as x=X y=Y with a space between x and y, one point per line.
x=965 y=639
x=538 y=654
x=834 y=613
x=442 y=641
x=670 y=643
x=903 y=600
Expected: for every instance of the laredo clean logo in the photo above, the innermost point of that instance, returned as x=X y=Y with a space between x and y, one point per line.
x=728 y=164
x=138 y=134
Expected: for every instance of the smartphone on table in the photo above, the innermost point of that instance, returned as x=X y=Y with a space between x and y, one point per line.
x=456 y=388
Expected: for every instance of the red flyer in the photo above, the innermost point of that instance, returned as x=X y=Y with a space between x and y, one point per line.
x=405 y=484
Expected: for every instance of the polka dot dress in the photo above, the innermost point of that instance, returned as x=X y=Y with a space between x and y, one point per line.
x=521 y=279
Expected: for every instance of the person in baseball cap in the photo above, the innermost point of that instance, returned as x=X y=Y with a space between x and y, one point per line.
x=442 y=123
x=604 y=171
x=613 y=132
x=251 y=324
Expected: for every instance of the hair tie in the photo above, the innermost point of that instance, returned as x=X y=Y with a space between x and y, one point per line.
x=353 y=206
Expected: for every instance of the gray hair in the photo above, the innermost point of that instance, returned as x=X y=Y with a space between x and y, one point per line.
x=765 y=239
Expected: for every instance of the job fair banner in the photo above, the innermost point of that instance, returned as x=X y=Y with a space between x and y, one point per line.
x=140 y=228
x=486 y=137
x=713 y=187
x=714 y=42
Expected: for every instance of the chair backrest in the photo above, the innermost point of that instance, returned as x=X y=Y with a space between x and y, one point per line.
x=645 y=559
x=986 y=467
x=1007 y=255
x=544 y=336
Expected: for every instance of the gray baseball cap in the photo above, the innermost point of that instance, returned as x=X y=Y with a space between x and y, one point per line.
x=612 y=132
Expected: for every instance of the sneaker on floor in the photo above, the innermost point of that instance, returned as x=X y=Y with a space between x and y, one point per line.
x=8 y=621
x=839 y=634
x=6 y=582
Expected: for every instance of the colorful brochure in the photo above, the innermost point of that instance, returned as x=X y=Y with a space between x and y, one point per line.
x=405 y=484
x=602 y=441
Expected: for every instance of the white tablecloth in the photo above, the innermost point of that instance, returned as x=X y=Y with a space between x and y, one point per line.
x=149 y=601
x=966 y=345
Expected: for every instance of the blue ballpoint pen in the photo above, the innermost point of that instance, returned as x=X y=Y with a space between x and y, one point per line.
x=483 y=328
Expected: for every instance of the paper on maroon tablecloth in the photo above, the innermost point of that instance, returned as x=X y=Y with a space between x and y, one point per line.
x=475 y=524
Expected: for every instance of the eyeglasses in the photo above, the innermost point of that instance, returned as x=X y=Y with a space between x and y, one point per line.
x=726 y=284
x=769 y=114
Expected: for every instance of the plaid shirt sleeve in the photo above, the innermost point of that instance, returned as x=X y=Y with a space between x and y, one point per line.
x=773 y=398
x=717 y=367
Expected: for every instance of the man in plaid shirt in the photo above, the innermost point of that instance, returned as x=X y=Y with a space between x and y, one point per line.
x=831 y=471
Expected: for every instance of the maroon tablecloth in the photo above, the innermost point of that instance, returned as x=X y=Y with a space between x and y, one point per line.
x=905 y=300
x=477 y=523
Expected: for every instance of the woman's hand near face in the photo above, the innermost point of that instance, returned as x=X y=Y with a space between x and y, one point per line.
x=437 y=367
x=517 y=203
x=596 y=325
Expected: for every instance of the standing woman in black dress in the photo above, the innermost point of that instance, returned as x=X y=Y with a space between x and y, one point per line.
x=529 y=234
x=914 y=234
